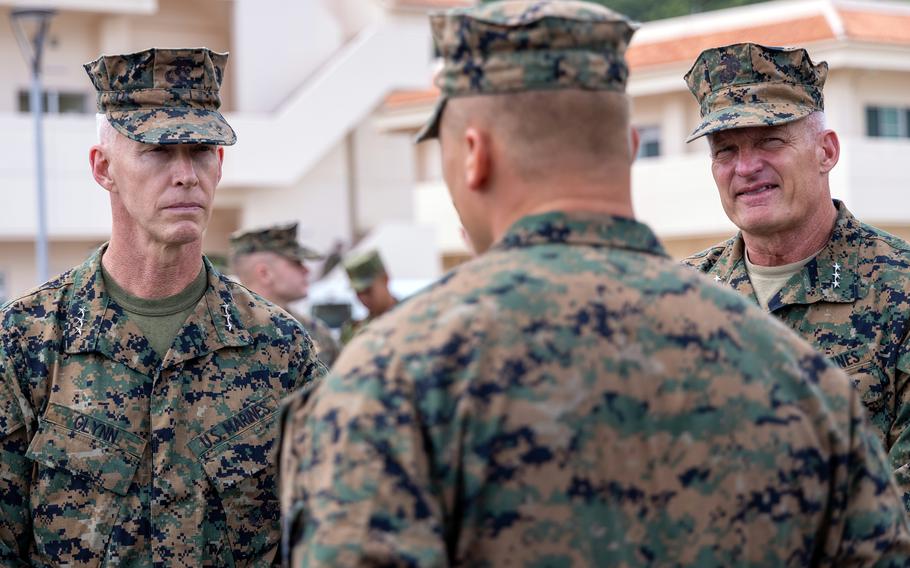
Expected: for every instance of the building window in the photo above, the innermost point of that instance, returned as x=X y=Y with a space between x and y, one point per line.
x=56 y=102
x=650 y=141
x=887 y=122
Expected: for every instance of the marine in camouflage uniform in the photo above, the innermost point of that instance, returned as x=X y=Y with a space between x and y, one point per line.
x=272 y=263
x=112 y=451
x=851 y=300
x=572 y=396
x=370 y=282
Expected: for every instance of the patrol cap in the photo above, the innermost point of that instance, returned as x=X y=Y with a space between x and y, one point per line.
x=163 y=96
x=528 y=45
x=747 y=84
x=280 y=239
x=363 y=269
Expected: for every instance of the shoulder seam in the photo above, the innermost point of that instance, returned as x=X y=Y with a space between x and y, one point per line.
x=34 y=291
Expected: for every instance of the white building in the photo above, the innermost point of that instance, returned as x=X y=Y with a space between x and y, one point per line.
x=867 y=99
x=325 y=96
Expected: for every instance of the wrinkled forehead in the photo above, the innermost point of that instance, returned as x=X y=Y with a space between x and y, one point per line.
x=749 y=133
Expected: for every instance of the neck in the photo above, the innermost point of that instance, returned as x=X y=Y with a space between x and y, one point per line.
x=155 y=272
x=604 y=199
x=387 y=303
x=792 y=246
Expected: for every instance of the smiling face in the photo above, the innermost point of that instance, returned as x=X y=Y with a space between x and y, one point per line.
x=772 y=179
x=163 y=193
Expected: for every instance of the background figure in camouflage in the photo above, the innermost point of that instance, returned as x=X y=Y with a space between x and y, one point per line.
x=370 y=281
x=272 y=264
x=117 y=449
x=572 y=396
x=841 y=284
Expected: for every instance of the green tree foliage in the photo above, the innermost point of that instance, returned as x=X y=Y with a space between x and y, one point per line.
x=644 y=10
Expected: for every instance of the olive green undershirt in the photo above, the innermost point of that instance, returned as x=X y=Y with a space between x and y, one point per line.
x=159 y=319
x=768 y=280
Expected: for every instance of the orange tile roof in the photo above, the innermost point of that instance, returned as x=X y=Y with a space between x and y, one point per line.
x=435 y=3
x=685 y=49
x=399 y=99
x=878 y=27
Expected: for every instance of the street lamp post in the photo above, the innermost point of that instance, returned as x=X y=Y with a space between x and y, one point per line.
x=33 y=49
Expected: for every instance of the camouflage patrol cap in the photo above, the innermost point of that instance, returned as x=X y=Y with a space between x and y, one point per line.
x=279 y=239
x=363 y=269
x=527 y=45
x=747 y=84
x=163 y=96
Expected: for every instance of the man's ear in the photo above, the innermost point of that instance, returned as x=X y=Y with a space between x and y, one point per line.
x=478 y=159
x=828 y=151
x=634 y=142
x=220 y=163
x=263 y=272
x=101 y=167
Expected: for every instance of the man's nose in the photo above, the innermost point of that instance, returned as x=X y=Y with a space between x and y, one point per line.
x=748 y=162
x=184 y=170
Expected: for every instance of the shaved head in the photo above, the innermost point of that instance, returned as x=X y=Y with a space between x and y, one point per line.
x=542 y=133
x=243 y=265
x=513 y=153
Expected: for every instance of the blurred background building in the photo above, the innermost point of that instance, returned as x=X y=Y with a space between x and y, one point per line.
x=326 y=95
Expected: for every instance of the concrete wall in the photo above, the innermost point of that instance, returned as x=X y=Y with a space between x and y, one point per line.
x=318 y=201
x=72 y=41
x=384 y=177
x=278 y=44
x=78 y=37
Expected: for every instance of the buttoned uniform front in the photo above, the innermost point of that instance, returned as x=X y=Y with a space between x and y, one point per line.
x=574 y=398
x=113 y=456
x=852 y=303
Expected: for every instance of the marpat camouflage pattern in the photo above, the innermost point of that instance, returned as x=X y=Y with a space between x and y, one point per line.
x=280 y=239
x=326 y=346
x=852 y=303
x=747 y=84
x=574 y=397
x=110 y=456
x=163 y=96
x=576 y=45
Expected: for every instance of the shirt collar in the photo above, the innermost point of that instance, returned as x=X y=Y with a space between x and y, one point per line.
x=581 y=228
x=96 y=324
x=831 y=276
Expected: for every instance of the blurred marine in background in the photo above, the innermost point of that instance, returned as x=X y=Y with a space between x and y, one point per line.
x=370 y=282
x=572 y=396
x=272 y=263
x=139 y=391
x=841 y=284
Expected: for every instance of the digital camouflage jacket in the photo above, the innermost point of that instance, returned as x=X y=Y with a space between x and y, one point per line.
x=852 y=303
x=575 y=398
x=110 y=456
x=326 y=346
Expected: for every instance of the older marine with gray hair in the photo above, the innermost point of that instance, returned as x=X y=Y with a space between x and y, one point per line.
x=841 y=284
x=572 y=397
x=139 y=391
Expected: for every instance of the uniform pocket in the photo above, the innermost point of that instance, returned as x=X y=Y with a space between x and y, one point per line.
x=238 y=456
x=872 y=385
x=85 y=466
x=869 y=380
